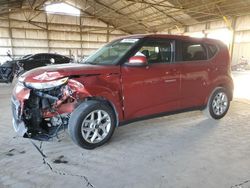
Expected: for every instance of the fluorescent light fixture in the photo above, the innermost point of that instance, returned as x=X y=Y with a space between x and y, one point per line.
x=62 y=8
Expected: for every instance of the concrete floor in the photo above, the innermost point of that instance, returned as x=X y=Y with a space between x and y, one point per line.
x=179 y=151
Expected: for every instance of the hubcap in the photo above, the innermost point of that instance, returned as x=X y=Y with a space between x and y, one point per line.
x=96 y=126
x=220 y=103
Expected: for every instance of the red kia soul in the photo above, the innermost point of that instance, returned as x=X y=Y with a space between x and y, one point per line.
x=131 y=78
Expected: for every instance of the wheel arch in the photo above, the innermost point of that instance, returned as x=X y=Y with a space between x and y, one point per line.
x=224 y=82
x=107 y=102
x=222 y=85
x=228 y=89
x=208 y=110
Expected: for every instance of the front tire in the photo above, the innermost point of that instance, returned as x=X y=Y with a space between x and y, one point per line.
x=91 y=124
x=218 y=103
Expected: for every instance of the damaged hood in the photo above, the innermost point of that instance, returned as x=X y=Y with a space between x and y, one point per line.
x=54 y=72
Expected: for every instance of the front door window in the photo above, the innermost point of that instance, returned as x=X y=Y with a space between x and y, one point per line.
x=157 y=51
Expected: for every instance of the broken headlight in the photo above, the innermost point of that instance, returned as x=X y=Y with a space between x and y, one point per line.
x=46 y=85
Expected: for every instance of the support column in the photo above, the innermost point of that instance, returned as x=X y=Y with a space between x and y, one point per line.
x=207 y=27
x=231 y=46
x=81 y=35
x=186 y=29
x=47 y=30
x=10 y=36
x=108 y=32
x=169 y=31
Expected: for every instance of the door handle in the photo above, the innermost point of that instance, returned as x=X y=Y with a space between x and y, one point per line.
x=170 y=81
x=171 y=71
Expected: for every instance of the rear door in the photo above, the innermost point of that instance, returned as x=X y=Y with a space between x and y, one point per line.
x=195 y=73
x=154 y=88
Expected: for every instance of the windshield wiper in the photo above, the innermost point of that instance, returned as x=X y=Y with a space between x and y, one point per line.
x=88 y=62
x=92 y=63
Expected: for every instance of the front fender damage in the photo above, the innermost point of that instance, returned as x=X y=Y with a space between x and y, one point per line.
x=42 y=114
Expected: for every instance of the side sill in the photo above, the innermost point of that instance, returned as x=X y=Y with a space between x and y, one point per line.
x=161 y=115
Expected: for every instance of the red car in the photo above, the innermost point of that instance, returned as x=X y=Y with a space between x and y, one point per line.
x=131 y=78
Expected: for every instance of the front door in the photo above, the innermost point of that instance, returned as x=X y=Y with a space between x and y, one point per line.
x=153 y=88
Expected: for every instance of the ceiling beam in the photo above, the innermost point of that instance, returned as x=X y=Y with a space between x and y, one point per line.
x=168 y=16
x=172 y=7
x=105 y=7
x=123 y=15
x=141 y=9
x=126 y=6
x=101 y=19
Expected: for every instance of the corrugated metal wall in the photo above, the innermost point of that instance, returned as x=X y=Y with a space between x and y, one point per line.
x=242 y=39
x=67 y=35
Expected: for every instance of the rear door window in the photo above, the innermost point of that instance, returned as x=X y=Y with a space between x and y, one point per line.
x=193 y=51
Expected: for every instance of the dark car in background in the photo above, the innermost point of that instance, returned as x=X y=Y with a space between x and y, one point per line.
x=9 y=69
x=32 y=61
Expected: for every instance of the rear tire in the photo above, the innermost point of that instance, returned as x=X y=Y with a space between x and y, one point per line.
x=218 y=103
x=91 y=124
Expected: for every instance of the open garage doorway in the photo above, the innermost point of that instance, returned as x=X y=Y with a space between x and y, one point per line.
x=241 y=84
x=241 y=64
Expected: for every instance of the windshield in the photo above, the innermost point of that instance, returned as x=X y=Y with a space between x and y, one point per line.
x=112 y=52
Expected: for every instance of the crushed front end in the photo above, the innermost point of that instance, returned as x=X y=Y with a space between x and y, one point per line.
x=42 y=109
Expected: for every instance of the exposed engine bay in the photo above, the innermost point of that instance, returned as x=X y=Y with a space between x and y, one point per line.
x=42 y=103
x=45 y=112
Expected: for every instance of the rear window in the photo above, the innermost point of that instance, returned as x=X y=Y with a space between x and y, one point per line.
x=193 y=51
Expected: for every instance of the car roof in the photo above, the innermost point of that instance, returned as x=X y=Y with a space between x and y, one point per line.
x=47 y=54
x=180 y=37
x=52 y=54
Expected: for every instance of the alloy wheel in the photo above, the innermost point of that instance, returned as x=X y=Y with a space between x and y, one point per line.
x=220 y=103
x=96 y=126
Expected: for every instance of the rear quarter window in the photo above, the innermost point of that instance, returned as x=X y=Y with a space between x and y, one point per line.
x=212 y=50
x=193 y=51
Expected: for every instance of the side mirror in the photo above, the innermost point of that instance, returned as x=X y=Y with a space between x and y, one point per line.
x=137 y=61
x=52 y=60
